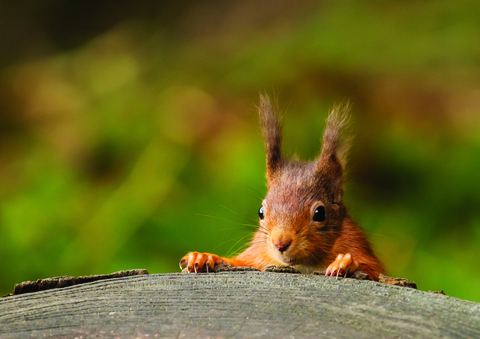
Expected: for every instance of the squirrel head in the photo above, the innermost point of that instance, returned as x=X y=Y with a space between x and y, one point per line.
x=303 y=209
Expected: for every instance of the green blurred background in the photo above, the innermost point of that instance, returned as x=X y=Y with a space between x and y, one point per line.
x=128 y=132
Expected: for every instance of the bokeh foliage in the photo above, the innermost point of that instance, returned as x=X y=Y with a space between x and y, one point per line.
x=131 y=141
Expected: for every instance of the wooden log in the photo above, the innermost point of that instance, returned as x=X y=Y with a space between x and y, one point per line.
x=239 y=305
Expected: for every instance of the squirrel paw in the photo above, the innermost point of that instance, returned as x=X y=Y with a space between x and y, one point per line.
x=343 y=265
x=197 y=262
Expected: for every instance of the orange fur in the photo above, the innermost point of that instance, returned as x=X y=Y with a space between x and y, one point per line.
x=305 y=222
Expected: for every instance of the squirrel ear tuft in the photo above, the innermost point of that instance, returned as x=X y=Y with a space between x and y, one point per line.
x=331 y=163
x=272 y=134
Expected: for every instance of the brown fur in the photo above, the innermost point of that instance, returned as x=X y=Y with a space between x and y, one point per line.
x=295 y=190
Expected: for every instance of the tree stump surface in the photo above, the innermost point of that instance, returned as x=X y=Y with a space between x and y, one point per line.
x=237 y=305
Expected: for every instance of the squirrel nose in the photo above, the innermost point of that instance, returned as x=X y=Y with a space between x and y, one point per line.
x=282 y=246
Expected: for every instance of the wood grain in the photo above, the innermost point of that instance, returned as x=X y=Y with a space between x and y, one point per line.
x=237 y=305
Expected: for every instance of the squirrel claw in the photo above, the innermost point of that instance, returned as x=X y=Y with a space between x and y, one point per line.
x=342 y=265
x=197 y=262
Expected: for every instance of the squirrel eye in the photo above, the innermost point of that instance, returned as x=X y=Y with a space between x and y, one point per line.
x=319 y=214
x=260 y=213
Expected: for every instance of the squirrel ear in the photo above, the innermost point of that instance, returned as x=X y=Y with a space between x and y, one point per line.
x=331 y=163
x=272 y=134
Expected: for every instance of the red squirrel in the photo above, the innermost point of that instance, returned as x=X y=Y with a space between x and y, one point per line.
x=303 y=219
